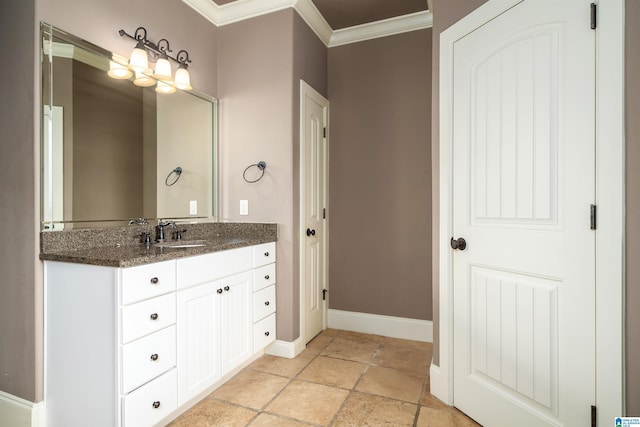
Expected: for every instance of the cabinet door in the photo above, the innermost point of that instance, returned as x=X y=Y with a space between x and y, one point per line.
x=198 y=321
x=237 y=320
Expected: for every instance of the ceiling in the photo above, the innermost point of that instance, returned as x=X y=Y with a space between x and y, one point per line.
x=341 y=14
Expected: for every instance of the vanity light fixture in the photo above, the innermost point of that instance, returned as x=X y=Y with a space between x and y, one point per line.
x=117 y=68
x=147 y=51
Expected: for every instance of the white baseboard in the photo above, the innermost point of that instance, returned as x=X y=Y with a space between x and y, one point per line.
x=18 y=412
x=388 y=326
x=286 y=349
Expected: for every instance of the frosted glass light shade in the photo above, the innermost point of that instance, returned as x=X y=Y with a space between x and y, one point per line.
x=164 y=88
x=163 y=70
x=183 y=80
x=118 y=71
x=143 y=79
x=139 y=59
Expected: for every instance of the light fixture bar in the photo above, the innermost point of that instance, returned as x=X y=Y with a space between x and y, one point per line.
x=140 y=36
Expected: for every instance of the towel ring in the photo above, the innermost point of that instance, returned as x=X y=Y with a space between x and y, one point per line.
x=260 y=165
x=178 y=172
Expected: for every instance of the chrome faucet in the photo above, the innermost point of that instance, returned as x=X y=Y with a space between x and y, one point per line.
x=138 y=221
x=161 y=226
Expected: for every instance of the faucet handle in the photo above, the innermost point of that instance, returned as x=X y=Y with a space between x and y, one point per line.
x=178 y=233
x=146 y=237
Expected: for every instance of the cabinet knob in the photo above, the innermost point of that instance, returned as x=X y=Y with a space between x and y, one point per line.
x=154 y=280
x=219 y=291
x=266 y=303
x=226 y=288
x=266 y=254
x=156 y=404
x=154 y=316
x=266 y=277
x=266 y=334
x=154 y=357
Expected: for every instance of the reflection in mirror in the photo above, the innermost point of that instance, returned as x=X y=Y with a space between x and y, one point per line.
x=110 y=149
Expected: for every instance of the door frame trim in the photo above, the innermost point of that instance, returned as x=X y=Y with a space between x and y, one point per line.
x=306 y=89
x=610 y=196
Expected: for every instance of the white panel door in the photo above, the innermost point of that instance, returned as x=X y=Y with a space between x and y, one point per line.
x=199 y=340
x=237 y=319
x=523 y=179
x=314 y=112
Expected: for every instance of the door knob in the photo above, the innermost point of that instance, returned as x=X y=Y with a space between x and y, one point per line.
x=458 y=244
x=311 y=232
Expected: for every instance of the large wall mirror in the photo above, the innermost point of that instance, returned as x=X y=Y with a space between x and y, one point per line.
x=112 y=151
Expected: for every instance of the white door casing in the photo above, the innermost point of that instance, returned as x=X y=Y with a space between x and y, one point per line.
x=609 y=180
x=314 y=111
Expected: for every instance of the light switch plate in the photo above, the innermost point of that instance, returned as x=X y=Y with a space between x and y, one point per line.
x=244 y=207
x=193 y=207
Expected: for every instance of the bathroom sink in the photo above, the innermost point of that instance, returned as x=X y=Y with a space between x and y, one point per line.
x=178 y=244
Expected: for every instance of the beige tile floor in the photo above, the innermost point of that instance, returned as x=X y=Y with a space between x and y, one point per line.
x=341 y=379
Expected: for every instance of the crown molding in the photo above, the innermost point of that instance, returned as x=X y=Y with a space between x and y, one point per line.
x=245 y=9
x=314 y=19
x=383 y=28
x=208 y=9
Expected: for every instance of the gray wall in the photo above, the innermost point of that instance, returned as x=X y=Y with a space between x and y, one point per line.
x=260 y=63
x=633 y=206
x=380 y=176
x=21 y=296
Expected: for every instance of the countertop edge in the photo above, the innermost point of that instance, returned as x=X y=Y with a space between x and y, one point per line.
x=136 y=255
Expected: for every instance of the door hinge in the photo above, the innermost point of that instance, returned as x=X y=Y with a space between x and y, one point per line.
x=324 y=294
x=594 y=419
x=324 y=132
x=594 y=16
x=324 y=213
x=594 y=217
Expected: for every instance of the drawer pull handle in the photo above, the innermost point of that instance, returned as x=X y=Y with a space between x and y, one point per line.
x=219 y=291
x=266 y=277
x=226 y=288
x=154 y=316
x=266 y=303
x=266 y=334
x=156 y=404
x=266 y=254
x=154 y=280
x=154 y=357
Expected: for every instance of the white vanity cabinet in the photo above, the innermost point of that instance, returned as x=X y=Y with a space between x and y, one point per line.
x=110 y=344
x=264 y=296
x=130 y=346
x=215 y=332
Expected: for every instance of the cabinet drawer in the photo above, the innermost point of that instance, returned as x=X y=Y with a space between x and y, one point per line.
x=264 y=254
x=264 y=276
x=264 y=333
x=147 y=281
x=146 y=317
x=148 y=357
x=151 y=403
x=206 y=268
x=264 y=303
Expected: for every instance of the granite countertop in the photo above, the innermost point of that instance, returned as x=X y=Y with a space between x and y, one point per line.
x=71 y=246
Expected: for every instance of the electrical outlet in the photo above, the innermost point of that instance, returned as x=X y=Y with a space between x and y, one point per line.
x=193 y=207
x=244 y=207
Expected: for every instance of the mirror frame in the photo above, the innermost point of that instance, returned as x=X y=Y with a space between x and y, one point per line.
x=47 y=33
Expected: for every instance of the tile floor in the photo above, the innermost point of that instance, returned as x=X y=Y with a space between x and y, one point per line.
x=341 y=379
